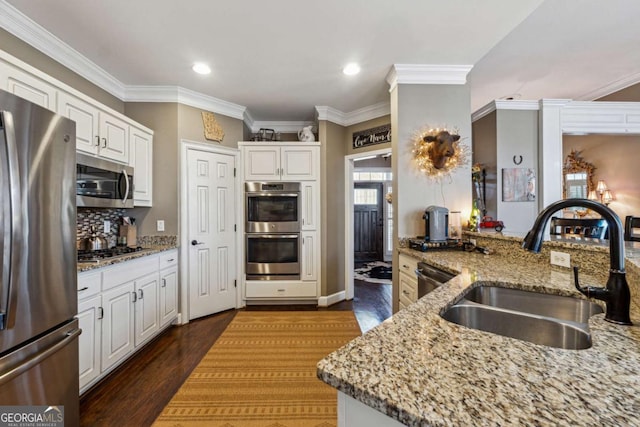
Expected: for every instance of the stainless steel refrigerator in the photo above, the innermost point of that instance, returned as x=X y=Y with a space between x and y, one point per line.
x=38 y=291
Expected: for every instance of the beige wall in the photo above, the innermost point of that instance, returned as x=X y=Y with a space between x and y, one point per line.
x=616 y=163
x=414 y=107
x=332 y=152
x=163 y=119
x=379 y=121
x=191 y=127
x=629 y=94
x=23 y=51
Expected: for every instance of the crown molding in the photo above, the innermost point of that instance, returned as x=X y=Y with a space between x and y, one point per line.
x=427 y=74
x=330 y=114
x=503 y=104
x=184 y=96
x=612 y=87
x=356 y=116
x=21 y=26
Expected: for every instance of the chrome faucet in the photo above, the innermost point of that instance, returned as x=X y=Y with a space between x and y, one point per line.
x=616 y=294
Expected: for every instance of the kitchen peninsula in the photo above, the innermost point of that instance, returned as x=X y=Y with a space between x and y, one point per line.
x=419 y=369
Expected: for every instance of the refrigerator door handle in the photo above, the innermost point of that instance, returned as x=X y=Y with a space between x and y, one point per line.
x=37 y=358
x=8 y=293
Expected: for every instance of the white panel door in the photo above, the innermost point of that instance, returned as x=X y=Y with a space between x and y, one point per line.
x=212 y=217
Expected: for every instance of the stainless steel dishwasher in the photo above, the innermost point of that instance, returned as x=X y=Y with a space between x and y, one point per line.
x=430 y=277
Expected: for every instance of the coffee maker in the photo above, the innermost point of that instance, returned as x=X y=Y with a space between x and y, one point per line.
x=436 y=224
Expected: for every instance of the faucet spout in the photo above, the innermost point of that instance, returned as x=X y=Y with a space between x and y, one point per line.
x=616 y=294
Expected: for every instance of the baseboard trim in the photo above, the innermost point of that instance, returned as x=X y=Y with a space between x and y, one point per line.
x=331 y=299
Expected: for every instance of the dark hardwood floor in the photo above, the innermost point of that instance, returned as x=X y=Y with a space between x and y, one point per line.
x=136 y=393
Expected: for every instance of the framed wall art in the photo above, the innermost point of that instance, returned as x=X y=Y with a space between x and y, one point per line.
x=518 y=185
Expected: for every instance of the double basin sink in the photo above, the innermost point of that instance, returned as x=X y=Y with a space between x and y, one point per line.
x=551 y=320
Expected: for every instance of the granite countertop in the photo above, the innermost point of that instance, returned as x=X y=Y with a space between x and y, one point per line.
x=422 y=370
x=146 y=251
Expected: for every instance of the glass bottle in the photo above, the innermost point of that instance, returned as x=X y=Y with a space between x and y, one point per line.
x=474 y=218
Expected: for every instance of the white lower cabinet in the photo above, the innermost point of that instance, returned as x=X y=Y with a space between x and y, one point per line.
x=89 y=319
x=146 y=307
x=168 y=295
x=120 y=308
x=408 y=281
x=117 y=324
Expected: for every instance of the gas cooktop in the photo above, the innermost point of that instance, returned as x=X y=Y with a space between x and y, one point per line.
x=102 y=254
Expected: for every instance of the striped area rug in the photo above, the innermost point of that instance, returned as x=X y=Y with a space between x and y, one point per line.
x=262 y=373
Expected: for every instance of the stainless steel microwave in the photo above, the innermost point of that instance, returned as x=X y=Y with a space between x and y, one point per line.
x=102 y=183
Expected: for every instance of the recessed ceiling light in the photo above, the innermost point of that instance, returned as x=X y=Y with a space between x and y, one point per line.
x=351 y=69
x=201 y=68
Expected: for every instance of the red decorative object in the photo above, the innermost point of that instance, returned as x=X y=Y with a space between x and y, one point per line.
x=489 y=222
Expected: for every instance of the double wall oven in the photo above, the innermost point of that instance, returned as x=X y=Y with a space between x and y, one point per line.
x=272 y=230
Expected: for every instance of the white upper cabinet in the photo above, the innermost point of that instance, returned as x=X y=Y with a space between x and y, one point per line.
x=300 y=163
x=114 y=138
x=281 y=161
x=86 y=117
x=141 y=159
x=27 y=86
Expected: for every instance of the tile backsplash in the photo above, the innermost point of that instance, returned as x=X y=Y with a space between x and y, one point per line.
x=88 y=217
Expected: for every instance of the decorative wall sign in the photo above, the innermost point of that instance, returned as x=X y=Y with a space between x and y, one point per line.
x=212 y=129
x=518 y=185
x=437 y=152
x=373 y=136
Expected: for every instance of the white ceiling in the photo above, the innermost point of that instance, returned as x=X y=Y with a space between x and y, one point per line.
x=280 y=58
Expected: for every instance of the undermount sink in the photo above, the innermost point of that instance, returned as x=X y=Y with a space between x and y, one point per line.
x=551 y=320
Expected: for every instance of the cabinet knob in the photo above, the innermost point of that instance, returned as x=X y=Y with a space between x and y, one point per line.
x=104 y=142
x=164 y=283
x=97 y=140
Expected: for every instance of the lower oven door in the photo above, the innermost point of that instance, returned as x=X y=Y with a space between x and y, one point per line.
x=273 y=256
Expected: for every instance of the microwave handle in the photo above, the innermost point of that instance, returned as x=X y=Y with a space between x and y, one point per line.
x=272 y=236
x=126 y=189
x=272 y=194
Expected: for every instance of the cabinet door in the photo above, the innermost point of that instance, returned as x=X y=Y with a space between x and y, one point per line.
x=27 y=86
x=408 y=287
x=168 y=295
x=89 y=320
x=117 y=324
x=300 y=163
x=310 y=256
x=141 y=158
x=114 y=138
x=262 y=163
x=146 y=308
x=86 y=117
x=310 y=205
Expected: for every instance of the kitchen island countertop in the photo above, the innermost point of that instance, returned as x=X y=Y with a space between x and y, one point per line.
x=422 y=370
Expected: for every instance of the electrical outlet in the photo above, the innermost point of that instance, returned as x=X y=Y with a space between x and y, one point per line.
x=107 y=226
x=560 y=258
x=160 y=225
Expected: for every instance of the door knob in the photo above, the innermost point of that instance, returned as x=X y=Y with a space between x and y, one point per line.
x=195 y=243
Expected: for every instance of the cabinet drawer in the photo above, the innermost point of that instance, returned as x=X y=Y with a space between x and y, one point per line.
x=128 y=271
x=408 y=287
x=268 y=289
x=168 y=259
x=408 y=264
x=88 y=284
